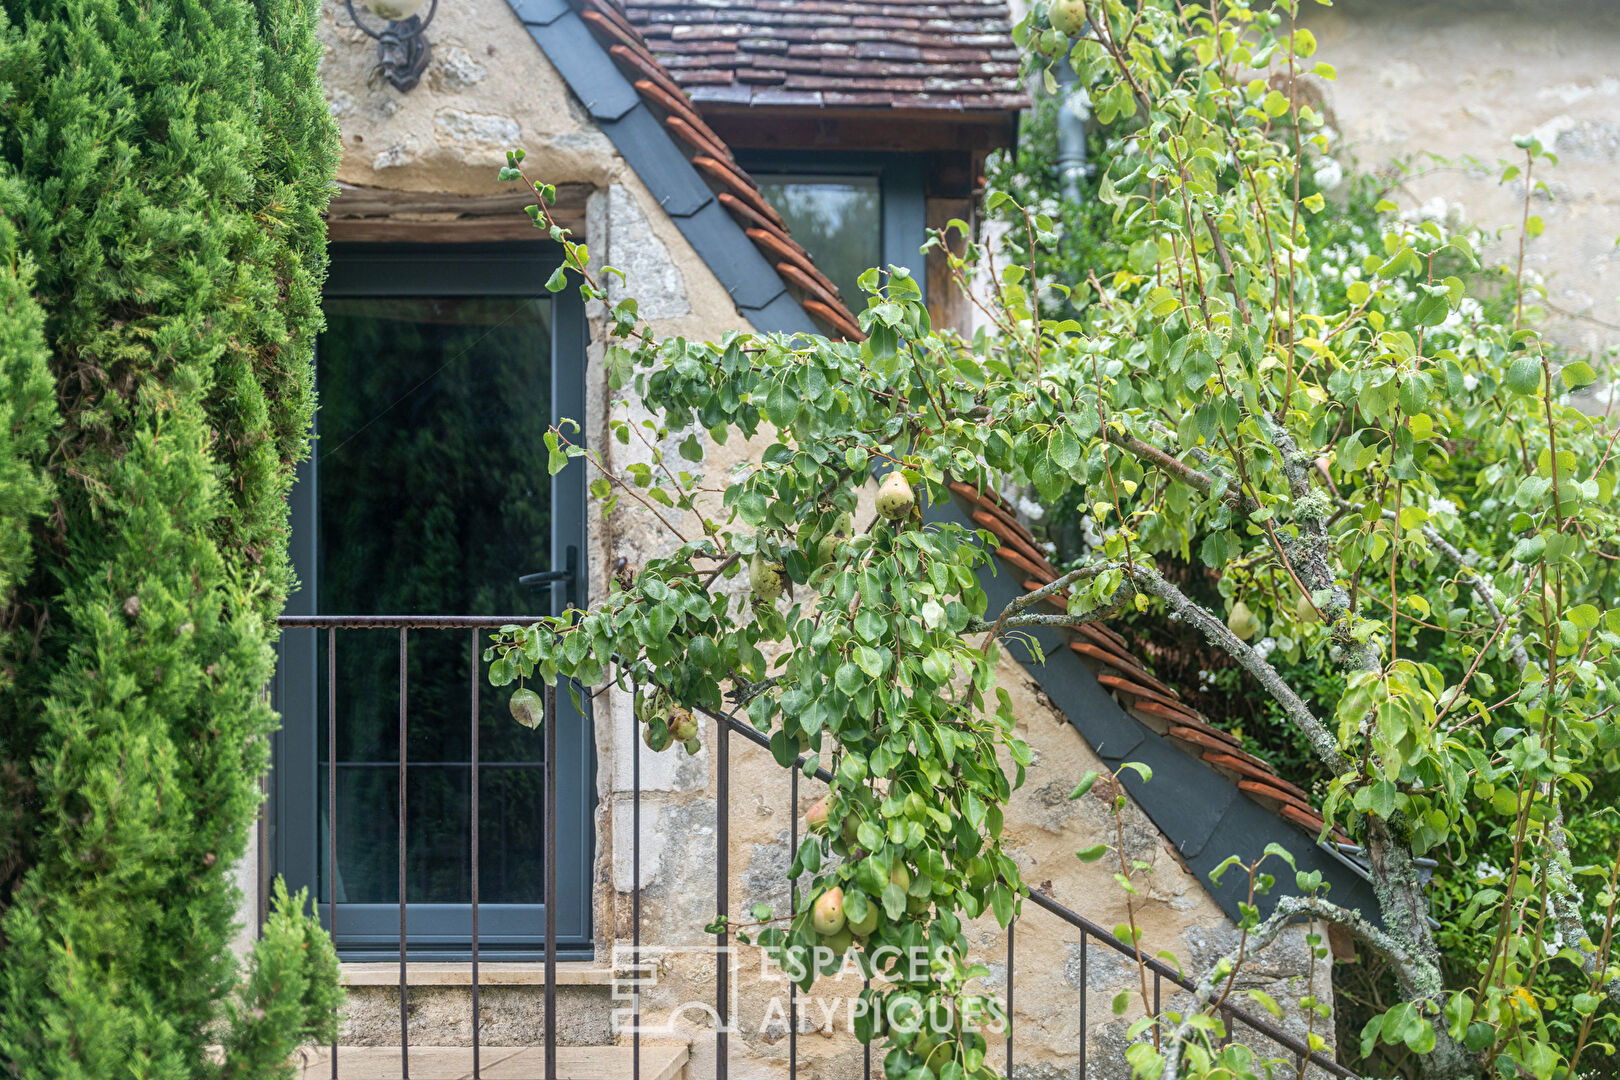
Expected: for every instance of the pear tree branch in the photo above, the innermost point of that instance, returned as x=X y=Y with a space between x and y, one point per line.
x=1289 y=908
x=1321 y=739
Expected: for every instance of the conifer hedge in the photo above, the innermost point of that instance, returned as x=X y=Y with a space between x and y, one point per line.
x=163 y=166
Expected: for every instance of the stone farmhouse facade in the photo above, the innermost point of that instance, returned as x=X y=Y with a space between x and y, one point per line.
x=735 y=160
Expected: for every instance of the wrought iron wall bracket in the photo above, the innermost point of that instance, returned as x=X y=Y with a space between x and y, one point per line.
x=402 y=50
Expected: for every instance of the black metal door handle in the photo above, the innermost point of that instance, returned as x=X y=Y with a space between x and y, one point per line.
x=569 y=576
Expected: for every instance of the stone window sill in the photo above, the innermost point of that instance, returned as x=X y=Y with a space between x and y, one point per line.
x=489 y=974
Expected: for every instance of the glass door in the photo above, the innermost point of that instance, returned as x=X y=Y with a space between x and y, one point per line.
x=438 y=375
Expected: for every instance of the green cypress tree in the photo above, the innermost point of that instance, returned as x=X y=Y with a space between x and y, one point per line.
x=163 y=166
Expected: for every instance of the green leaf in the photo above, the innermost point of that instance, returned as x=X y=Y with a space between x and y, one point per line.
x=1531 y=490
x=1576 y=374
x=1092 y=853
x=1001 y=902
x=781 y=405
x=1144 y=256
x=1275 y=104
x=1421 y=1041
x=1523 y=375
x=1267 y=1002
x=1084 y=785
x=558 y=281
x=1529 y=549
x=1064 y=449
x=894 y=901
x=872 y=661
x=1162 y=301
x=1140 y=770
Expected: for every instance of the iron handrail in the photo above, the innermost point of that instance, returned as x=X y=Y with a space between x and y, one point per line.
x=1095 y=930
x=402 y=622
x=726 y=724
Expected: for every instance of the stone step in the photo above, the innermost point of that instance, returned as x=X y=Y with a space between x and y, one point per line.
x=494 y=1063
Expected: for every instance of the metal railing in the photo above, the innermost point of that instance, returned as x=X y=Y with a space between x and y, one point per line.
x=725 y=727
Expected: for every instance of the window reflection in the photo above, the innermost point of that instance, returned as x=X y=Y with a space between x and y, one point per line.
x=837 y=219
x=432 y=501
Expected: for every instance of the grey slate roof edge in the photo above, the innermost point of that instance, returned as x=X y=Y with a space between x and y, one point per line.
x=616 y=106
x=1202 y=813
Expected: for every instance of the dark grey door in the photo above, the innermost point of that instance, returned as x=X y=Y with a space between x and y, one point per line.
x=427 y=495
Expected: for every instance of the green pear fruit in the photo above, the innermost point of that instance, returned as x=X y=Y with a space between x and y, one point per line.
x=815 y=818
x=840 y=942
x=656 y=736
x=827 y=916
x=527 y=708
x=764 y=577
x=650 y=703
x=900 y=874
x=1242 y=621
x=692 y=746
x=1068 y=16
x=682 y=724
x=865 y=926
x=895 y=497
x=828 y=547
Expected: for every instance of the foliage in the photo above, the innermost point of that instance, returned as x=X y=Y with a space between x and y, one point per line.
x=163 y=169
x=1357 y=211
x=1221 y=398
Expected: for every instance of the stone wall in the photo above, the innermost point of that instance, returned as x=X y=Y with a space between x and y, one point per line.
x=489 y=88
x=1460 y=80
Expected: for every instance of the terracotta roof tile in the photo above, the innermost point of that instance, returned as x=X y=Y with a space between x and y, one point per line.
x=924 y=54
x=701 y=55
x=1150 y=700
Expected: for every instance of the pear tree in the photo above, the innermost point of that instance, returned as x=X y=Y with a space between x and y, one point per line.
x=1209 y=402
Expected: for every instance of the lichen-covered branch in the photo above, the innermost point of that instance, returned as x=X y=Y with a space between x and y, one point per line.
x=1289 y=908
x=1199 y=480
x=1015 y=617
x=1321 y=739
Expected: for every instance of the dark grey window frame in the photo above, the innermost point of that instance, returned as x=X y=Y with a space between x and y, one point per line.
x=442 y=931
x=902 y=185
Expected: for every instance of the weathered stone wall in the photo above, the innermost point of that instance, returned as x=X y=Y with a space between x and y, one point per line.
x=489 y=89
x=1460 y=80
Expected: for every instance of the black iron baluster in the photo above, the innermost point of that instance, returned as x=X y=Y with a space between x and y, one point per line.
x=722 y=835
x=1155 y=993
x=473 y=814
x=404 y=1031
x=866 y=984
x=793 y=906
x=1010 y=928
x=550 y=797
x=1085 y=952
x=635 y=896
x=331 y=801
